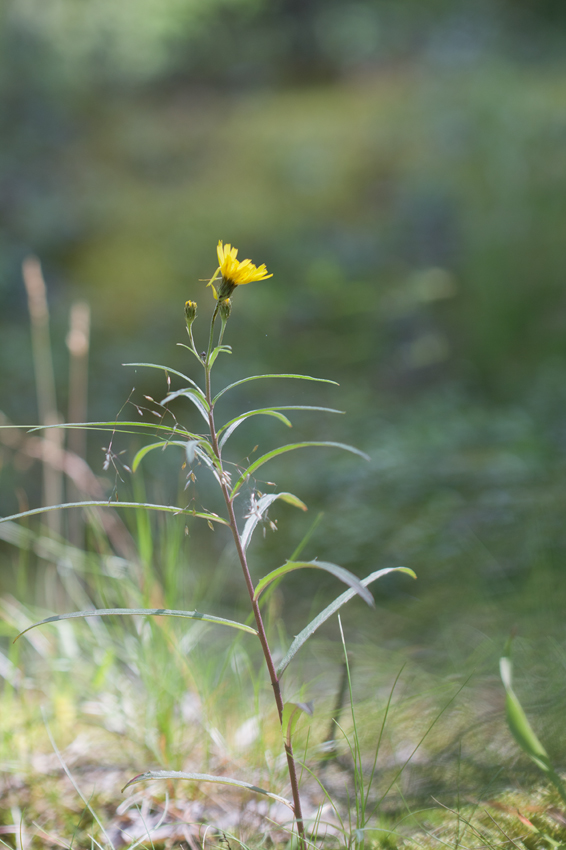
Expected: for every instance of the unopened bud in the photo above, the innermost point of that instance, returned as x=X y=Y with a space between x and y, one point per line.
x=225 y=309
x=190 y=312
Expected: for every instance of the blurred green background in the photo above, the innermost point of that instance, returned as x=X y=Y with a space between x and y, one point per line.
x=401 y=169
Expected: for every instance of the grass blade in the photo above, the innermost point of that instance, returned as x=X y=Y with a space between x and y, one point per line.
x=290 y=448
x=339 y=572
x=205 y=777
x=74 y=784
x=259 y=377
x=143 y=612
x=331 y=609
x=171 y=509
x=520 y=727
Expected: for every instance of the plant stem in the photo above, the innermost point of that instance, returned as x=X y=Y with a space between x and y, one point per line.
x=211 y=337
x=255 y=603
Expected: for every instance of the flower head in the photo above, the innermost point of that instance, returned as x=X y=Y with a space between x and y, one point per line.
x=190 y=312
x=225 y=309
x=234 y=272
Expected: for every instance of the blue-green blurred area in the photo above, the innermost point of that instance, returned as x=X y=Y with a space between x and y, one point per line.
x=400 y=167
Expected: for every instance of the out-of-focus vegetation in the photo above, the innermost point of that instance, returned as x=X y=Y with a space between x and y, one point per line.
x=400 y=168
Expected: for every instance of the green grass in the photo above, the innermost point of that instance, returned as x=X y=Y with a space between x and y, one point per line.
x=124 y=697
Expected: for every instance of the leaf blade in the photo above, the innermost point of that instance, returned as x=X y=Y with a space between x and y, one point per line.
x=331 y=609
x=517 y=720
x=204 y=777
x=259 y=377
x=290 y=448
x=228 y=429
x=99 y=504
x=220 y=349
x=197 y=398
x=114 y=426
x=139 y=456
x=259 y=509
x=338 y=572
x=166 y=369
x=142 y=612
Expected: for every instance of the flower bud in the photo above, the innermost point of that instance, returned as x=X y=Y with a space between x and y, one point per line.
x=190 y=312
x=225 y=309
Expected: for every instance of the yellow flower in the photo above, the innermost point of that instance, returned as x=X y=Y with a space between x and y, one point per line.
x=234 y=272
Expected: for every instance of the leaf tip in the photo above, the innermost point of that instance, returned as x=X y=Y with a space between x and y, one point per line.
x=131 y=782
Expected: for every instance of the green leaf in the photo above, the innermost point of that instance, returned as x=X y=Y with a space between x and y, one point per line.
x=517 y=721
x=260 y=507
x=171 y=509
x=204 y=777
x=290 y=448
x=197 y=398
x=259 y=377
x=339 y=572
x=220 y=349
x=167 y=369
x=162 y=444
x=190 y=446
x=193 y=352
x=231 y=426
x=144 y=612
x=291 y=714
x=331 y=609
x=115 y=427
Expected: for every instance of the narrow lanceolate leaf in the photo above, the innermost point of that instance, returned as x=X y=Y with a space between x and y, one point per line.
x=166 y=369
x=331 y=609
x=197 y=398
x=518 y=723
x=205 y=777
x=260 y=507
x=115 y=427
x=170 y=509
x=228 y=429
x=291 y=714
x=260 y=377
x=143 y=612
x=220 y=349
x=290 y=448
x=339 y=572
x=190 y=446
x=162 y=444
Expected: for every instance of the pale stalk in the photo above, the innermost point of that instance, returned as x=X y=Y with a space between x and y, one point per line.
x=255 y=603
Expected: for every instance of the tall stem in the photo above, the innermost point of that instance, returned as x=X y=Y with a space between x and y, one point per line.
x=255 y=603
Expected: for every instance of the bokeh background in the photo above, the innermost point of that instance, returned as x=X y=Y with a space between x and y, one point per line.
x=401 y=169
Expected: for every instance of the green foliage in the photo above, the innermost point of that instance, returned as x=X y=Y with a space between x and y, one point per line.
x=339 y=572
x=207 y=450
x=520 y=727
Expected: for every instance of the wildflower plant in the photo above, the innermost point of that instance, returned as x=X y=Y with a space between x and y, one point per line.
x=208 y=448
